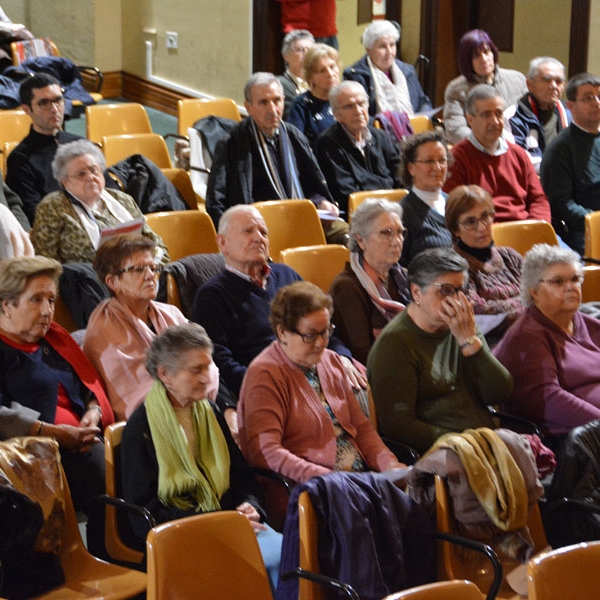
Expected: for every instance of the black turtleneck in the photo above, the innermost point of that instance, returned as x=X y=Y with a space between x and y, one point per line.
x=481 y=254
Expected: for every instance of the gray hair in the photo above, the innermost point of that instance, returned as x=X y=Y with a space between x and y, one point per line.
x=378 y=29
x=16 y=272
x=226 y=217
x=259 y=78
x=364 y=216
x=428 y=265
x=168 y=348
x=483 y=91
x=293 y=36
x=345 y=86
x=536 y=262
x=67 y=152
x=536 y=63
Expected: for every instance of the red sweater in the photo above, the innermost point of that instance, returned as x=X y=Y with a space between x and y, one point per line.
x=510 y=178
x=318 y=16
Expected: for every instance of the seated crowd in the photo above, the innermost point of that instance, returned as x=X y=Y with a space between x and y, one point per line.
x=429 y=325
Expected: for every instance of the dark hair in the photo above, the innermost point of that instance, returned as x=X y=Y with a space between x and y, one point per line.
x=410 y=148
x=111 y=255
x=428 y=265
x=471 y=44
x=462 y=199
x=295 y=301
x=577 y=81
x=35 y=82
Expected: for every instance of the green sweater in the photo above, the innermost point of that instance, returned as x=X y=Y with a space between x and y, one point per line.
x=424 y=387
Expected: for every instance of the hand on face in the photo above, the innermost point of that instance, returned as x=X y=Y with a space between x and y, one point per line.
x=457 y=312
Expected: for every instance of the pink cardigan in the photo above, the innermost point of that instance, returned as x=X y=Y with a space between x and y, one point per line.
x=284 y=426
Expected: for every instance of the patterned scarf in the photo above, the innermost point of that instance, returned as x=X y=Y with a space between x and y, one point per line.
x=178 y=475
x=391 y=95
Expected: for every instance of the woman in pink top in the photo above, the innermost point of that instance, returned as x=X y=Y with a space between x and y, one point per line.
x=297 y=413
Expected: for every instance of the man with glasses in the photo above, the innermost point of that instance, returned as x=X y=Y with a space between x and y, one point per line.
x=570 y=171
x=485 y=158
x=234 y=305
x=540 y=114
x=352 y=154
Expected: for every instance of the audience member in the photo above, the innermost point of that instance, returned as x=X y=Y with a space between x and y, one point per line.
x=298 y=415
x=494 y=272
x=353 y=154
x=266 y=159
x=293 y=49
x=392 y=85
x=233 y=306
x=311 y=112
x=69 y=223
x=570 y=170
x=48 y=387
x=430 y=371
x=318 y=16
x=552 y=351
x=14 y=240
x=423 y=169
x=12 y=201
x=477 y=63
x=500 y=167
x=177 y=455
x=121 y=328
x=540 y=114
x=373 y=287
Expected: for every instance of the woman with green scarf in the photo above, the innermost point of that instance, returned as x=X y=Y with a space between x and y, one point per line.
x=178 y=456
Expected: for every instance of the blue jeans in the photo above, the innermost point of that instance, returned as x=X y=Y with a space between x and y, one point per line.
x=269 y=541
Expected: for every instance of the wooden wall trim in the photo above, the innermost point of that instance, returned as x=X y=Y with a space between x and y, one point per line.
x=137 y=89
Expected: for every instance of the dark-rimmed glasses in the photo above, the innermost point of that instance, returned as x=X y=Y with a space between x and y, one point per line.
x=311 y=338
x=472 y=223
x=140 y=269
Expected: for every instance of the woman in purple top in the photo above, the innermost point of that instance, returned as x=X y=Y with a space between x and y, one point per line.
x=553 y=350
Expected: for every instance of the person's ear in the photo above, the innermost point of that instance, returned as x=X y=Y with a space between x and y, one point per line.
x=470 y=119
x=534 y=293
x=416 y=293
x=221 y=242
x=360 y=242
x=163 y=375
x=111 y=281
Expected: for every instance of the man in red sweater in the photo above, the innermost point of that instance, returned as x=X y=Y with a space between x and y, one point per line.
x=486 y=159
x=318 y=16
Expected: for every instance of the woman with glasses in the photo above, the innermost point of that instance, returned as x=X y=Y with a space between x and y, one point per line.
x=121 y=329
x=69 y=223
x=297 y=413
x=494 y=272
x=553 y=350
x=423 y=170
x=431 y=371
x=372 y=288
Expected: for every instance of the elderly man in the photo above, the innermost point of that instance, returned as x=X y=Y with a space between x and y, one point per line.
x=486 y=159
x=390 y=83
x=293 y=49
x=353 y=154
x=540 y=114
x=570 y=169
x=234 y=305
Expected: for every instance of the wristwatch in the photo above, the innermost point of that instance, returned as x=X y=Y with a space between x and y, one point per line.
x=470 y=340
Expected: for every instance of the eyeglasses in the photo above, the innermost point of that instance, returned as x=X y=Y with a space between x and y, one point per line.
x=311 y=338
x=447 y=290
x=140 y=269
x=390 y=234
x=471 y=223
x=354 y=105
x=589 y=98
x=48 y=103
x=84 y=173
x=563 y=281
x=300 y=49
x=433 y=162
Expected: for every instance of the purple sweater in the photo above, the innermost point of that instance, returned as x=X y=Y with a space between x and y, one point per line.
x=556 y=376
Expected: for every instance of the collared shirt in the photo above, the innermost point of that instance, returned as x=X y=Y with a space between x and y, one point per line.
x=365 y=138
x=435 y=200
x=262 y=282
x=584 y=129
x=501 y=149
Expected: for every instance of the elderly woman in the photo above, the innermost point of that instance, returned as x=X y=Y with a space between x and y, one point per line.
x=178 y=457
x=431 y=372
x=311 y=112
x=392 y=85
x=494 y=272
x=68 y=224
x=297 y=413
x=373 y=287
x=477 y=63
x=553 y=350
x=294 y=47
x=121 y=328
x=423 y=169
x=48 y=387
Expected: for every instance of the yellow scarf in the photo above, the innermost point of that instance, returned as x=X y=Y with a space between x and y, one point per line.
x=492 y=473
x=182 y=482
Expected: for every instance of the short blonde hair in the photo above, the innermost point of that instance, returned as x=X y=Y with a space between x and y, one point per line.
x=315 y=53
